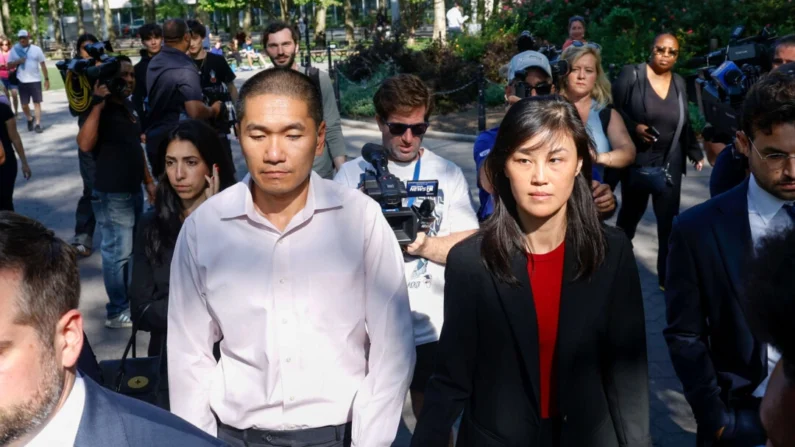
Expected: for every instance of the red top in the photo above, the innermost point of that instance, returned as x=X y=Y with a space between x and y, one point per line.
x=546 y=279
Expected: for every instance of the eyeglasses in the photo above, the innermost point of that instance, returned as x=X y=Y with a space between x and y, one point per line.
x=523 y=89
x=774 y=161
x=663 y=51
x=580 y=44
x=398 y=129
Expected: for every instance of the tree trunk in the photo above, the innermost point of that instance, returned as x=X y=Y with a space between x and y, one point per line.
x=150 y=15
x=81 y=25
x=481 y=12
x=247 y=19
x=439 y=24
x=34 y=11
x=2 y=26
x=234 y=23
x=489 y=8
x=55 y=15
x=320 y=24
x=109 y=22
x=97 y=19
x=283 y=7
x=7 y=15
x=349 y=22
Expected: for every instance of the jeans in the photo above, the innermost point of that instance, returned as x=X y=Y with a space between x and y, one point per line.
x=84 y=215
x=117 y=214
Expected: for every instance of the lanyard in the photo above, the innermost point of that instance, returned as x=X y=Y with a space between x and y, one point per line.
x=416 y=177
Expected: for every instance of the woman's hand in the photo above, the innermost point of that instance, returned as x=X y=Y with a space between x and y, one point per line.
x=26 y=172
x=698 y=165
x=213 y=183
x=642 y=131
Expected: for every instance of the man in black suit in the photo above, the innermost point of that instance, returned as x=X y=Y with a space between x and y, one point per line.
x=44 y=400
x=723 y=366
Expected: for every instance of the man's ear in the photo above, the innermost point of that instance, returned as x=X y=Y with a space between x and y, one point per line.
x=321 y=139
x=742 y=143
x=69 y=338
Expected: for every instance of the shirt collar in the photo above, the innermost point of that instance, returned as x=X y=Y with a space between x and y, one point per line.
x=62 y=428
x=175 y=52
x=766 y=205
x=322 y=196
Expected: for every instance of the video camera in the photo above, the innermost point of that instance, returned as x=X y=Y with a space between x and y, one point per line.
x=389 y=191
x=560 y=67
x=227 y=118
x=80 y=75
x=726 y=76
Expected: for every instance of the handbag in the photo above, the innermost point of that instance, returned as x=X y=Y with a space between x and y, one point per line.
x=137 y=377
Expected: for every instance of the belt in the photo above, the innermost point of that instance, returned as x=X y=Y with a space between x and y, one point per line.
x=309 y=435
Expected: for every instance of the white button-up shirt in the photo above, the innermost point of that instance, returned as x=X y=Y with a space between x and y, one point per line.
x=766 y=216
x=62 y=429
x=296 y=309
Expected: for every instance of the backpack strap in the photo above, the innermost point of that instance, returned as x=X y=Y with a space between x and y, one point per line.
x=604 y=117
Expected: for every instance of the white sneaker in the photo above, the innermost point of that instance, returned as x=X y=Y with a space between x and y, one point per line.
x=120 y=321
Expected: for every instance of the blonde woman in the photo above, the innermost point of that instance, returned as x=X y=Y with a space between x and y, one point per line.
x=587 y=87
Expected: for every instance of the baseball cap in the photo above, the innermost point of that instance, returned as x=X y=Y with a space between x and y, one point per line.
x=528 y=59
x=22 y=33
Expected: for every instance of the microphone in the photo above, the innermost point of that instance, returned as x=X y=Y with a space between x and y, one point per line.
x=376 y=156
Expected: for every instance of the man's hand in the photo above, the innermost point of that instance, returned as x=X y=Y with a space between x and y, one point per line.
x=46 y=84
x=416 y=247
x=101 y=91
x=603 y=197
x=216 y=107
x=699 y=165
x=26 y=170
x=143 y=138
x=151 y=190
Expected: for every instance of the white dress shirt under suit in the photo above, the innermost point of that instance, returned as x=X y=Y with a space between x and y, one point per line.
x=296 y=309
x=766 y=216
x=62 y=429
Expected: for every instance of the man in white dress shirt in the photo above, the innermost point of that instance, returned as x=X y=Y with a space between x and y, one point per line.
x=724 y=366
x=455 y=20
x=296 y=276
x=403 y=104
x=44 y=401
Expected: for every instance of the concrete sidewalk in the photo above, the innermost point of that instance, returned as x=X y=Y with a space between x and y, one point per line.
x=51 y=197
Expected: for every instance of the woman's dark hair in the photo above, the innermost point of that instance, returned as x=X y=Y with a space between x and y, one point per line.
x=502 y=233
x=573 y=19
x=163 y=230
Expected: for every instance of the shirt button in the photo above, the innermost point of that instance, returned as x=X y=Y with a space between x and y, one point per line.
x=292 y=398
x=284 y=320
x=282 y=281
x=289 y=359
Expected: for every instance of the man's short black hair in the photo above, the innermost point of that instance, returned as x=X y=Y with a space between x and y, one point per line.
x=197 y=28
x=83 y=38
x=123 y=58
x=275 y=27
x=771 y=296
x=150 y=30
x=49 y=279
x=174 y=30
x=285 y=82
x=786 y=41
x=770 y=101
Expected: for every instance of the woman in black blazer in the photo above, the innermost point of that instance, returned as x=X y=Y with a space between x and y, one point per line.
x=544 y=339
x=651 y=97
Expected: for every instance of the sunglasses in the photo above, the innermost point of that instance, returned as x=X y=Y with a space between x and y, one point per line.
x=398 y=129
x=580 y=44
x=662 y=51
x=524 y=89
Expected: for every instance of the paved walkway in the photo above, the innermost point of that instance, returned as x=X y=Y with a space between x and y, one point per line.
x=52 y=193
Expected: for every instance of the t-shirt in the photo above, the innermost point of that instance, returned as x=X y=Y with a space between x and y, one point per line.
x=171 y=81
x=663 y=114
x=454 y=213
x=30 y=71
x=214 y=70
x=118 y=152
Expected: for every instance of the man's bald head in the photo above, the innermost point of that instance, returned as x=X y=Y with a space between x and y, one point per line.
x=176 y=33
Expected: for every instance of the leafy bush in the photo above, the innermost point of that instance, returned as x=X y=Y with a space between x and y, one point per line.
x=356 y=98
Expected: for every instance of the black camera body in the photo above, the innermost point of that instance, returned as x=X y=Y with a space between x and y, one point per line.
x=389 y=191
x=227 y=117
x=726 y=75
x=97 y=67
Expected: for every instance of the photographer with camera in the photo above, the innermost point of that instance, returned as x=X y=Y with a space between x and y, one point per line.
x=174 y=89
x=217 y=82
x=653 y=101
x=403 y=105
x=529 y=74
x=111 y=132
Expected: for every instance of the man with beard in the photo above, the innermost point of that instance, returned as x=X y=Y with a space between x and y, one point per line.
x=44 y=399
x=281 y=44
x=724 y=367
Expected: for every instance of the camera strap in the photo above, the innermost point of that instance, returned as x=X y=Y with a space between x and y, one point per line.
x=416 y=177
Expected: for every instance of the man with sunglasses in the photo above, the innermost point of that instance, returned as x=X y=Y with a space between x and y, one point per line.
x=528 y=74
x=403 y=105
x=722 y=364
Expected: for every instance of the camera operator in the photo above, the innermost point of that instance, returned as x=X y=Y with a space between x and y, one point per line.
x=529 y=74
x=403 y=105
x=152 y=40
x=174 y=89
x=111 y=132
x=216 y=77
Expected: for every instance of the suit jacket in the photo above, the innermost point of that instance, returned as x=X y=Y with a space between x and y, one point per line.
x=110 y=419
x=488 y=365
x=628 y=96
x=715 y=355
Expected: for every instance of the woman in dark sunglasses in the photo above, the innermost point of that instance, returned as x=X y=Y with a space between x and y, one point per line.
x=653 y=101
x=588 y=88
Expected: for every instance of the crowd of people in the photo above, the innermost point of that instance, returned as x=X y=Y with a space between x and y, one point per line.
x=284 y=310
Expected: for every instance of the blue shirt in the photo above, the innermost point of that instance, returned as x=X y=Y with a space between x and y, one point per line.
x=482 y=148
x=218 y=51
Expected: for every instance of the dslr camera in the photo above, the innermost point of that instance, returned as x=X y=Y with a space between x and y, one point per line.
x=80 y=75
x=227 y=118
x=389 y=191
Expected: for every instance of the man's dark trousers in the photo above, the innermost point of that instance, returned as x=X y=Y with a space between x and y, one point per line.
x=85 y=222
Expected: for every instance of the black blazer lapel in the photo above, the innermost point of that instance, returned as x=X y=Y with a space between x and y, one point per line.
x=733 y=233
x=517 y=301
